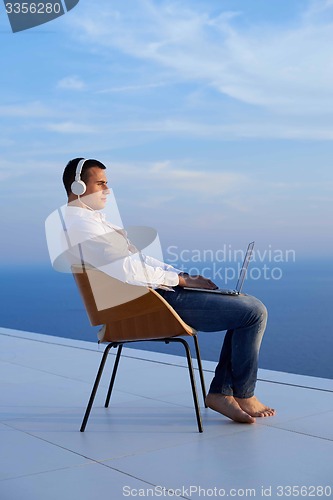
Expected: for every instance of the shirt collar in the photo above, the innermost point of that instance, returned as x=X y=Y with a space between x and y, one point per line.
x=84 y=213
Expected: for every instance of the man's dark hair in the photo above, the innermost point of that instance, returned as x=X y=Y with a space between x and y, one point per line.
x=70 y=171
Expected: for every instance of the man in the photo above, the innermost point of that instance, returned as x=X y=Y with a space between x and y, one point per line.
x=244 y=317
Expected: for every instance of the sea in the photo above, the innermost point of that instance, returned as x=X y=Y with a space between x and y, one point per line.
x=298 y=338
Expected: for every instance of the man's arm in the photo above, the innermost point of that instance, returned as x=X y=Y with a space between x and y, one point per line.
x=109 y=252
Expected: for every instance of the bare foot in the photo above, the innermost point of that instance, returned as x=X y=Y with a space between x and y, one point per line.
x=228 y=407
x=254 y=408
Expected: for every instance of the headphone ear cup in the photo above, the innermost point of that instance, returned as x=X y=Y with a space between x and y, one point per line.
x=78 y=188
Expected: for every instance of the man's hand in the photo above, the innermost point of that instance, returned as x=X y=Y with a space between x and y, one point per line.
x=196 y=282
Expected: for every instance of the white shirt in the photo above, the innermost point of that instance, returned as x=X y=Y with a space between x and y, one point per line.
x=92 y=240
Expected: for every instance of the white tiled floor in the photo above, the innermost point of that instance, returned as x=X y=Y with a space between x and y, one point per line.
x=147 y=439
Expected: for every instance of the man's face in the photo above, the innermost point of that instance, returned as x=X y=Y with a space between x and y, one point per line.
x=97 y=189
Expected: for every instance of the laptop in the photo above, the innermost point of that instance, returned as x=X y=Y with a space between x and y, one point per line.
x=240 y=281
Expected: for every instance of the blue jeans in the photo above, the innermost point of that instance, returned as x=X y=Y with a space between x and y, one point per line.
x=244 y=317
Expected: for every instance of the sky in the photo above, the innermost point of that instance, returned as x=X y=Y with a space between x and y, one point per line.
x=214 y=118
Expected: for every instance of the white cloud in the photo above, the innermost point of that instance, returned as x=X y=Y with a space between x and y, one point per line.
x=71 y=83
x=33 y=109
x=5 y=175
x=131 y=88
x=247 y=128
x=69 y=127
x=284 y=68
x=205 y=191
x=168 y=177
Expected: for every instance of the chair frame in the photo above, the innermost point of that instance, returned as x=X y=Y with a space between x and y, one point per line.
x=132 y=314
x=119 y=346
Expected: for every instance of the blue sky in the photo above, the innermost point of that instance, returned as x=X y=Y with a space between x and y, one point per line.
x=215 y=119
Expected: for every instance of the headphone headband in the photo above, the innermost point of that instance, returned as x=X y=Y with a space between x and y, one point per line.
x=78 y=187
x=79 y=169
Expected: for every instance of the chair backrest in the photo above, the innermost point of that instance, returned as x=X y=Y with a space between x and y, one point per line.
x=129 y=312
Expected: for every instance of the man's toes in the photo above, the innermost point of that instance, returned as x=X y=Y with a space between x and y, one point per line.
x=227 y=406
x=266 y=412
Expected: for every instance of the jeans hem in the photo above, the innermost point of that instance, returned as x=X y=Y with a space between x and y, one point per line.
x=244 y=396
x=231 y=393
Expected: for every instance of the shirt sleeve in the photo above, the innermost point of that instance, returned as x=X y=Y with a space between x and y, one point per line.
x=142 y=269
x=110 y=253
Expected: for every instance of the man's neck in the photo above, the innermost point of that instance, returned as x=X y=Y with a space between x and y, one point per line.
x=76 y=202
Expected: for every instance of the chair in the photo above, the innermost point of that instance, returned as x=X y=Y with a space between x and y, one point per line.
x=132 y=313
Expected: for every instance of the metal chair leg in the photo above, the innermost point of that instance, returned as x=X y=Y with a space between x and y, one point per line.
x=95 y=387
x=115 y=368
x=113 y=376
x=194 y=389
x=202 y=379
x=192 y=378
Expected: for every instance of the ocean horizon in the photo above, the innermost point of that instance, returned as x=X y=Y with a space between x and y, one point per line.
x=298 y=338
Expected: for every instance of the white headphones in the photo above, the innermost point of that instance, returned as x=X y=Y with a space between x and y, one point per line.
x=78 y=187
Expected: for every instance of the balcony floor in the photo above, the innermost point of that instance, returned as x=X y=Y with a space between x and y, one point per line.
x=147 y=440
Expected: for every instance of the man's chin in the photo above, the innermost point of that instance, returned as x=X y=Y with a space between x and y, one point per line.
x=100 y=206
